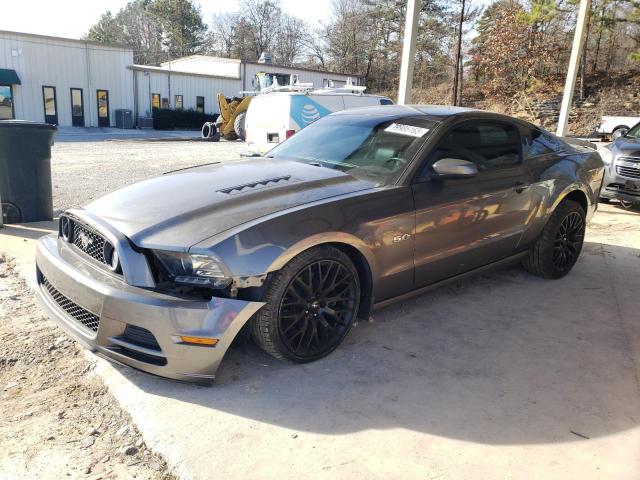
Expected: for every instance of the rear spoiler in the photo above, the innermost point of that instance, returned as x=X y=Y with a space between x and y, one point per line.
x=579 y=142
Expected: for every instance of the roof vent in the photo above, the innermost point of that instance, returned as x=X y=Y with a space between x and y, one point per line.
x=253 y=185
x=265 y=57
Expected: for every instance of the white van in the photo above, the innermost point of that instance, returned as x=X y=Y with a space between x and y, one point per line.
x=275 y=116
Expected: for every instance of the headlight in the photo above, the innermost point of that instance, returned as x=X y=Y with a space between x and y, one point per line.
x=198 y=270
x=606 y=155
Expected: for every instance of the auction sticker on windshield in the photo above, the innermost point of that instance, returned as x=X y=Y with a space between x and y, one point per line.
x=409 y=130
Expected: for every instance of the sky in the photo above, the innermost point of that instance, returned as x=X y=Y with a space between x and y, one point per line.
x=72 y=18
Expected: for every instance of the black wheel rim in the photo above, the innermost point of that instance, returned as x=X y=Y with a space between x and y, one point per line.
x=317 y=308
x=568 y=241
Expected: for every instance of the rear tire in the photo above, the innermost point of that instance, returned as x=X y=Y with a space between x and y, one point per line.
x=238 y=125
x=311 y=304
x=558 y=248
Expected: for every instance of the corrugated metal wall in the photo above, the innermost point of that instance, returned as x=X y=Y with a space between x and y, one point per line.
x=304 y=76
x=66 y=64
x=189 y=86
x=206 y=65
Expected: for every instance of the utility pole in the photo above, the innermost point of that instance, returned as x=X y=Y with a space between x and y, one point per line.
x=408 y=52
x=574 y=60
x=456 y=75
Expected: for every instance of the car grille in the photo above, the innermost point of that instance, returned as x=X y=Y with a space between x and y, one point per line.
x=89 y=241
x=75 y=311
x=628 y=172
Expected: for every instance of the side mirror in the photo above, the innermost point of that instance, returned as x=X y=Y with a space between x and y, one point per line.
x=620 y=132
x=455 y=168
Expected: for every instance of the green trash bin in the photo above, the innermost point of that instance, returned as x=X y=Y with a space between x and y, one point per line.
x=25 y=171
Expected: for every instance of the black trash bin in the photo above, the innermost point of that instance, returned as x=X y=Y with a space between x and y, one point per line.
x=25 y=171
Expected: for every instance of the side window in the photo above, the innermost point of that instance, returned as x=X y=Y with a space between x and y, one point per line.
x=490 y=145
x=539 y=142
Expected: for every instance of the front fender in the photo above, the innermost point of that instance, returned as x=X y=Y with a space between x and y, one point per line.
x=324 y=238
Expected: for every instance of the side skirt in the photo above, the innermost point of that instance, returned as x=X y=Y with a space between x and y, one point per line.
x=414 y=293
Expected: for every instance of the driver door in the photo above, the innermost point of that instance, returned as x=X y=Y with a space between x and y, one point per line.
x=465 y=223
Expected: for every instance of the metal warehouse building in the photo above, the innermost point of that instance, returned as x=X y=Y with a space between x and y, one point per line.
x=62 y=81
x=81 y=83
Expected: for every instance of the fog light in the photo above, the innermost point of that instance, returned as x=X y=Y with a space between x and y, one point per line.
x=111 y=257
x=211 y=342
x=65 y=228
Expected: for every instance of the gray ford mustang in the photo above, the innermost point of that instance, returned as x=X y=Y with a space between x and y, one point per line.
x=361 y=208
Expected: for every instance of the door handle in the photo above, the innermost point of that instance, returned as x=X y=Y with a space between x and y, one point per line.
x=520 y=187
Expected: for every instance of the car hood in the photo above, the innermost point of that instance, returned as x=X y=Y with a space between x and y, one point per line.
x=627 y=146
x=180 y=209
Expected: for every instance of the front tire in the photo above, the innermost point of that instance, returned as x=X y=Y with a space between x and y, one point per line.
x=558 y=248
x=626 y=204
x=311 y=305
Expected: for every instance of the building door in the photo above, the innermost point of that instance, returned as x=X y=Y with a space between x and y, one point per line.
x=6 y=102
x=77 y=107
x=103 y=108
x=50 y=105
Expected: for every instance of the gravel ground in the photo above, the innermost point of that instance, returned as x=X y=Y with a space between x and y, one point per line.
x=58 y=419
x=84 y=171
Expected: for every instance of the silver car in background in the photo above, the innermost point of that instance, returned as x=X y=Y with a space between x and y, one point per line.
x=622 y=169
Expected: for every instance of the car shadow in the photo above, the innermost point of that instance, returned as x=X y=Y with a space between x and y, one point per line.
x=503 y=358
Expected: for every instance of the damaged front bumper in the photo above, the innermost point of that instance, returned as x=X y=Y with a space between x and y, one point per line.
x=135 y=326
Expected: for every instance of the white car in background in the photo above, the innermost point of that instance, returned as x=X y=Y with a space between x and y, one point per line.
x=276 y=115
x=616 y=126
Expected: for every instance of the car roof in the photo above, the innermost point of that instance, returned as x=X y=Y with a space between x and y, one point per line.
x=436 y=113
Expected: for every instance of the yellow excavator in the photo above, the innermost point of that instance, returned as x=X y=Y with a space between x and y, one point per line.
x=230 y=122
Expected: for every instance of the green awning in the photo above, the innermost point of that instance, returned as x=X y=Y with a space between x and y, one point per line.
x=9 y=77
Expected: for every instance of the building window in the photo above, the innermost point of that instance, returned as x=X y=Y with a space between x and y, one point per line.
x=155 y=100
x=177 y=102
x=165 y=102
x=103 y=108
x=50 y=105
x=6 y=102
x=77 y=107
x=200 y=104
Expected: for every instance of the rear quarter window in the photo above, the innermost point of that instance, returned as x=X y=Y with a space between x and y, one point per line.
x=538 y=142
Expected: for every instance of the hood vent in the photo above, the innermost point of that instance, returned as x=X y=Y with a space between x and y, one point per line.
x=254 y=185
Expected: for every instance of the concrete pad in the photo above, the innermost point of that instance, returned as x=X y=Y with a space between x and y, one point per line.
x=502 y=376
x=96 y=134
x=19 y=241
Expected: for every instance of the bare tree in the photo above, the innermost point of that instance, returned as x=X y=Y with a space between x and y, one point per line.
x=456 y=68
x=263 y=19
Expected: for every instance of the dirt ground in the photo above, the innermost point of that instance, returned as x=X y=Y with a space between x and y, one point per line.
x=84 y=171
x=58 y=419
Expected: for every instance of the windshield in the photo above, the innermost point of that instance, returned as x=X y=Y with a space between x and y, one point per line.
x=634 y=132
x=363 y=147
